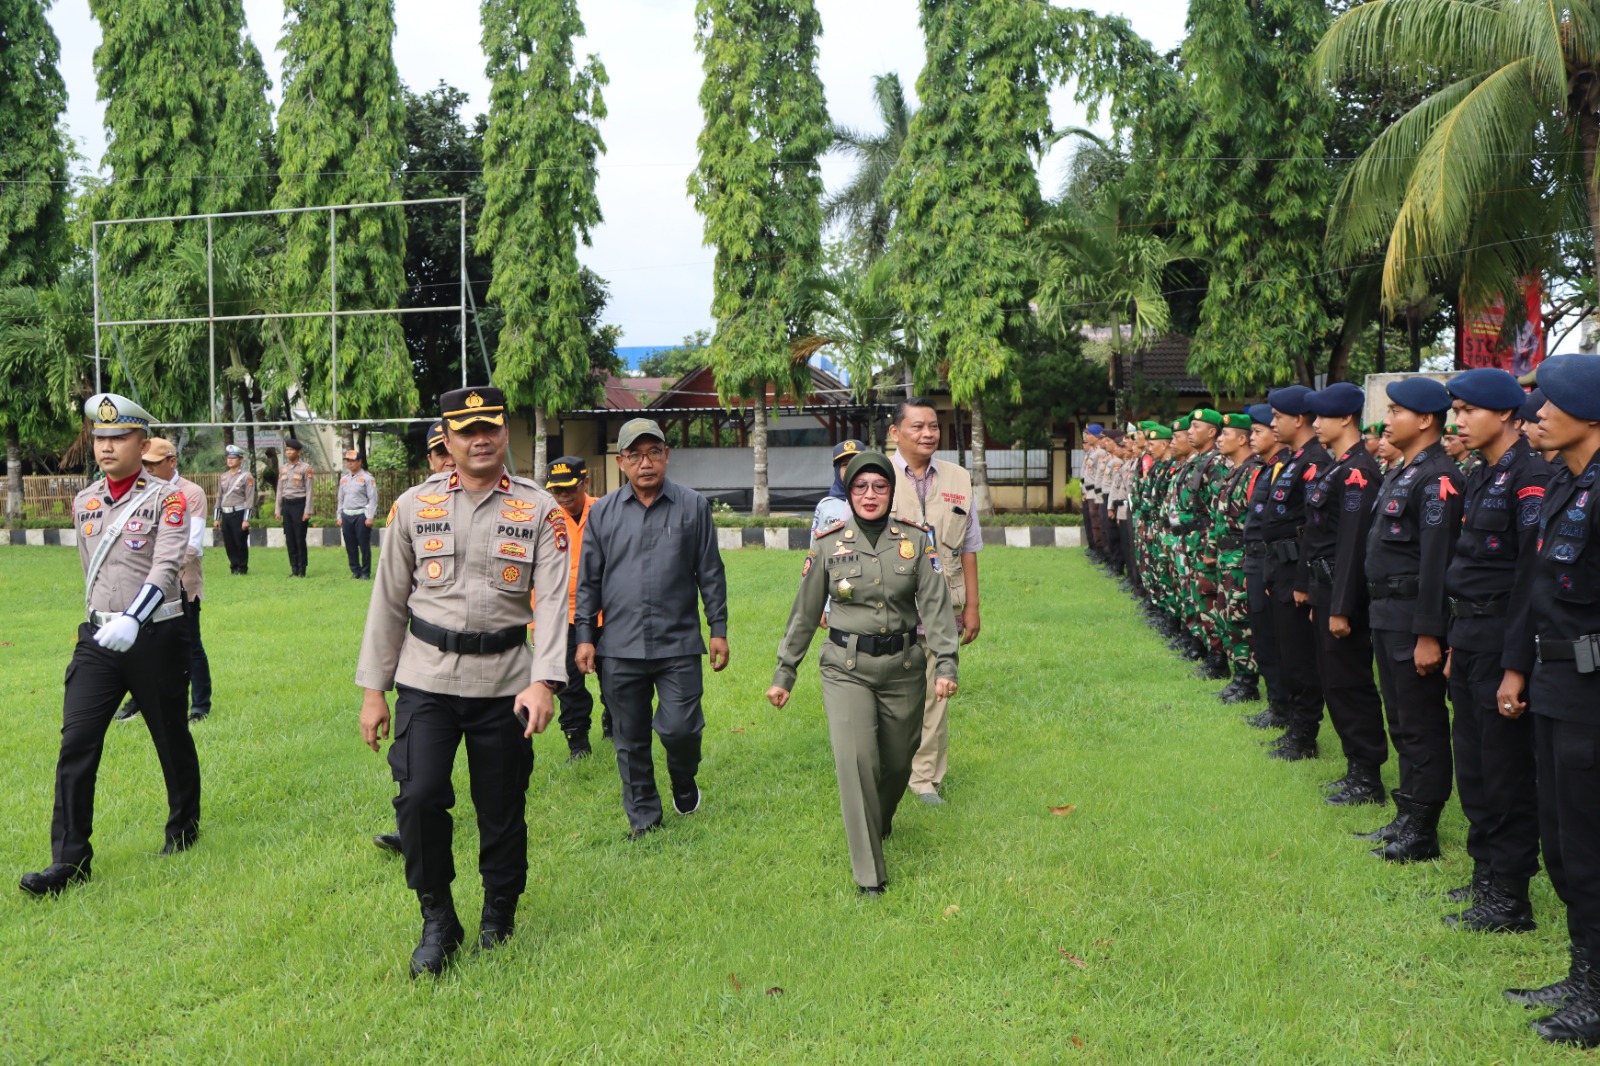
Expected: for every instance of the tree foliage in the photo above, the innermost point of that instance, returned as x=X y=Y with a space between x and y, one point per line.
x=862 y=206
x=33 y=149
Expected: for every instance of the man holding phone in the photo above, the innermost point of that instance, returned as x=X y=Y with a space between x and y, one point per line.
x=459 y=560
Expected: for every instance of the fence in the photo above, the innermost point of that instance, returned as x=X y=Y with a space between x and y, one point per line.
x=50 y=497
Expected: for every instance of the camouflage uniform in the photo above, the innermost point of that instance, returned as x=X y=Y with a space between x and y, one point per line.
x=1225 y=544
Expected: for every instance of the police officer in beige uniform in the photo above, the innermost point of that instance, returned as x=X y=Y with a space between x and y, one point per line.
x=236 y=498
x=132 y=531
x=939 y=496
x=882 y=574
x=458 y=564
x=294 y=504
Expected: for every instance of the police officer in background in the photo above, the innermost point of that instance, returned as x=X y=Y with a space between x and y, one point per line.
x=1409 y=548
x=236 y=498
x=1556 y=626
x=294 y=504
x=568 y=481
x=835 y=506
x=358 y=507
x=456 y=571
x=132 y=532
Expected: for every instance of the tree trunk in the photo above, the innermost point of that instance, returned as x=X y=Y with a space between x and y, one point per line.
x=1383 y=344
x=1119 y=374
x=1413 y=341
x=13 y=477
x=980 y=464
x=761 y=497
x=1589 y=136
x=541 y=451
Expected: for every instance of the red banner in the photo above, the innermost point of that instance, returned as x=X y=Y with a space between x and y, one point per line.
x=1481 y=344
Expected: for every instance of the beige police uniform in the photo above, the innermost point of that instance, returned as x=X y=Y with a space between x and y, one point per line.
x=236 y=499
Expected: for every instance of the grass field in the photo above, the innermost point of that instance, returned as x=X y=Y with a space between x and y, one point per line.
x=1198 y=903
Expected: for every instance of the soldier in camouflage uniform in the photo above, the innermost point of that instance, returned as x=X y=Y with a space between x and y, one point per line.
x=1195 y=500
x=1157 y=556
x=1224 y=548
x=1180 y=575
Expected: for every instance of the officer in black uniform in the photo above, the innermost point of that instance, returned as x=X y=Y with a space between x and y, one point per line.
x=1263 y=641
x=1339 y=505
x=1409 y=548
x=1556 y=622
x=1283 y=519
x=1493 y=754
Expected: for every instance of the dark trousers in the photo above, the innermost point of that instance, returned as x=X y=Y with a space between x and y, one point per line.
x=1297 y=656
x=628 y=686
x=429 y=727
x=1263 y=640
x=199 y=665
x=236 y=542
x=1114 y=545
x=1419 y=721
x=1568 y=755
x=357 y=543
x=577 y=702
x=294 y=532
x=1344 y=666
x=1495 y=768
x=156 y=671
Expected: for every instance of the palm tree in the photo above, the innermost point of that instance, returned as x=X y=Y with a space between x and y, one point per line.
x=1475 y=179
x=861 y=205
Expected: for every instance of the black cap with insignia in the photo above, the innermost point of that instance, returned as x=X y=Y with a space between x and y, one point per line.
x=566 y=472
x=482 y=403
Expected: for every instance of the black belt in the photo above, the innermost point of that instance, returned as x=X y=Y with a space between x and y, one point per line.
x=1255 y=549
x=1229 y=544
x=893 y=644
x=1495 y=608
x=1585 y=651
x=1403 y=587
x=1287 y=549
x=468 y=643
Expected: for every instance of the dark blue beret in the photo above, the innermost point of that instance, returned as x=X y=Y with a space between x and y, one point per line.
x=1530 y=410
x=1422 y=395
x=1572 y=383
x=1337 y=400
x=1260 y=414
x=1488 y=387
x=1291 y=399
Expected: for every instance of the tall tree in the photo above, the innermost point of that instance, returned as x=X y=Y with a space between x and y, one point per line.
x=540 y=154
x=965 y=190
x=862 y=206
x=341 y=140
x=33 y=200
x=758 y=186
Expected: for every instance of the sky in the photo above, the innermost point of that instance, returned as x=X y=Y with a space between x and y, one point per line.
x=650 y=246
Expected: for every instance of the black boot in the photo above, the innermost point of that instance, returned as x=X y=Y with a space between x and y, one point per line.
x=1271 y=718
x=1363 y=786
x=1297 y=744
x=1501 y=907
x=53 y=879
x=1472 y=891
x=1578 y=1019
x=1418 y=839
x=1214 y=668
x=1192 y=649
x=1339 y=784
x=578 y=745
x=441 y=933
x=499 y=919
x=1554 y=995
x=1243 y=690
x=1386 y=833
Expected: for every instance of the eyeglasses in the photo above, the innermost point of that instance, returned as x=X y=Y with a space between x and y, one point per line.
x=870 y=488
x=655 y=455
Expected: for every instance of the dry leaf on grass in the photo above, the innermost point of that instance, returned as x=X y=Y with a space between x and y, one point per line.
x=1275 y=854
x=733 y=979
x=740 y=729
x=774 y=991
x=1077 y=1041
x=1062 y=812
x=952 y=910
x=1070 y=957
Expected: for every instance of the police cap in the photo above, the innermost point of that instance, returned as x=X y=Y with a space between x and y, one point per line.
x=566 y=472
x=115 y=416
x=481 y=403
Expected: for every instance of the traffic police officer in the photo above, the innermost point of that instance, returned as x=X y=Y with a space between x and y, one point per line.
x=1409 y=548
x=236 y=498
x=132 y=533
x=456 y=572
x=1557 y=629
x=883 y=575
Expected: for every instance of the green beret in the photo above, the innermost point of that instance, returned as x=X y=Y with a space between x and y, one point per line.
x=1450 y=428
x=1206 y=414
x=1148 y=426
x=1237 y=421
x=1181 y=424
x=1160 y=433
x=1374 y=428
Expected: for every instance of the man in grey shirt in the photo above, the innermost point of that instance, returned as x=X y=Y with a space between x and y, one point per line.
x=649 y=555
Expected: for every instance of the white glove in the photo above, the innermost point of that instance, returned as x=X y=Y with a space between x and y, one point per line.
x=118 y=634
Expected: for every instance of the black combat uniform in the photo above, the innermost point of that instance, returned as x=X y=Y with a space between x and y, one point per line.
x=1263 y=641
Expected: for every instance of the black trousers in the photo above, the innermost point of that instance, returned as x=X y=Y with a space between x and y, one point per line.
x=156 y=671
x=1344 y=665
x=628 y=687
x=1495 y=768
x=1114 y=545
x=1297 y=658
x=294 y=532
x=577 y=702
x=1263 y=639
x=199 y=664
x=429 y=727
x=1568 y=755
x=236 y=542
x=357 y=543
x=1130 y=564
x=1419 y=721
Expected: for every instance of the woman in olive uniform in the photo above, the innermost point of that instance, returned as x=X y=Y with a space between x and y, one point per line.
x=883 y=576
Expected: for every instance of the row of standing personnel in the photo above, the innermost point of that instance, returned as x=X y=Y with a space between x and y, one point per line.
x=1280 y=547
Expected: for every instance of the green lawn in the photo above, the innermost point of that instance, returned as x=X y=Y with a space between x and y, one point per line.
x=1199 y=904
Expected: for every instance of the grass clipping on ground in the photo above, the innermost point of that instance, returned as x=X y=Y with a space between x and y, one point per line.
x=1120 y=874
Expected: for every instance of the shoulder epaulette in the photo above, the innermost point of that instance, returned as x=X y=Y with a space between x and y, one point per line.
x=830 y=529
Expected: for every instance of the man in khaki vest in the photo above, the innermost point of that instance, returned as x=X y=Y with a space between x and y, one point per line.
x=940 y=494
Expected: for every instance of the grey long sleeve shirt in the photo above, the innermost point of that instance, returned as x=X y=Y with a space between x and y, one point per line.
x=645 y=568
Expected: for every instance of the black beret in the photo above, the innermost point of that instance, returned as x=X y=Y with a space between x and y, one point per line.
x=1422 y=395
x=1488 y=387
x=1572 y=383
x=1291 y=399
x=1337 y=400
x=1530 y=409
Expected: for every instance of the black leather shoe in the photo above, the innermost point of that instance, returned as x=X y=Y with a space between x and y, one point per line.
x=499 y=920
x=639 y=832
x=53 y=879
x=1271 y=718
x=388 y=842
x=1554 y=995
x=1577 y=1021
x=685 y=796
x=1501 y=907
x=1418 y=838
x=1363 y=786
x=872 y=890
x=126 y=713
x=199 y=714
x=182 y=842
x=441 y=934
x=578 y=753
x=1469 y=892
